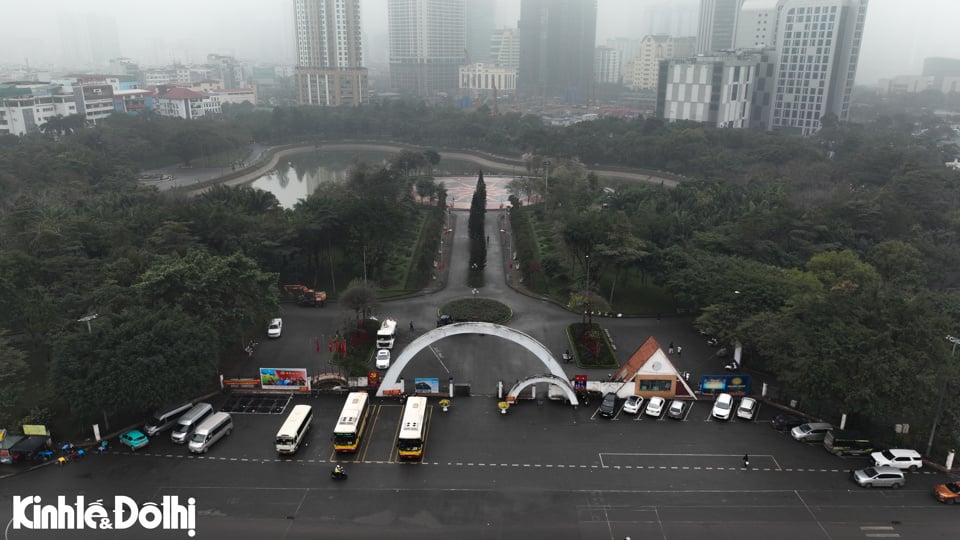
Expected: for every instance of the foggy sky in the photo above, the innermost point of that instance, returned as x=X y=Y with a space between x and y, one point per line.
x=899 y=34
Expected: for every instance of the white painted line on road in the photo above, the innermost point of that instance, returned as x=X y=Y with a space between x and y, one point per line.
x=481 y=464
x=883 y=535
x=876 y=528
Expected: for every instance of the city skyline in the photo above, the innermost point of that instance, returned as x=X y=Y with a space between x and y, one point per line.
x=897 y=38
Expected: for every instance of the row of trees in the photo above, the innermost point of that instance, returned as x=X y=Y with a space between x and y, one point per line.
x=476 y=232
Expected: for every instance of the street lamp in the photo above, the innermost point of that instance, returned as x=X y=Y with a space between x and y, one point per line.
x=546 y=171
x=943 y=393
x=87 y=320
x=587 y=284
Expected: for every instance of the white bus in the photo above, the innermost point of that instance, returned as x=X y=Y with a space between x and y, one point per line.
x=387 y=334
x=352 y=422
x=294 y=429
x=413 y=430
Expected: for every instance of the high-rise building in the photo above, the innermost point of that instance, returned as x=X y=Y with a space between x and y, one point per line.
x=715 y=89
x=505 y=47
x=88 y=39
x=627 y=49
x=427 y=42
x=718 y=23
x=817 y=48
x=557 y=40
x=941 y=67
x=642 y=73
x=478 y=16
x=606 y=65
x=329 y=68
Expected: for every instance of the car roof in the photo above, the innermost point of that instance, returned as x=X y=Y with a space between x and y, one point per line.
x=900 y=452
x=818 y=425
x=278 y=320
x=725 y=397
x=885 y=469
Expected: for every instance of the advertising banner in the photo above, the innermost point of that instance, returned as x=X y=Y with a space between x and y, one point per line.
x=425 y=385
x=736 y=385
x=292 y=379
x=31 y=429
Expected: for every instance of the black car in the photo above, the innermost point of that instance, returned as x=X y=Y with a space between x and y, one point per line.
x=608 y=407
x=444 y=320
x=785 y=422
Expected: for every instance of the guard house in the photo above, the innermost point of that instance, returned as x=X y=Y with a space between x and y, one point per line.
x=651 y=373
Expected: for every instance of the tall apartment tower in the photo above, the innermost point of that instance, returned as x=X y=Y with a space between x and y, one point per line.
x=718 y=24
x=817 y=49
x=557 y=40
x=606 y=65
x=329 y=68
x=505 y=47
x=479 y=27
x=427 y=43
x=757 y=24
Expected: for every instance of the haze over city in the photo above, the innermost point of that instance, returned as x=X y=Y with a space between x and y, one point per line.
x=897 y=37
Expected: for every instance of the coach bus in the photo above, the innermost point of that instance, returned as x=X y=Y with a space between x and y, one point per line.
x=387 y=334
x=294 y=429
x=413 y=431
x=352 y=421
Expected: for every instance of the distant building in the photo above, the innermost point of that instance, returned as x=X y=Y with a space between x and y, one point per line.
x=87 y=39
x=505 y=47
x=26 y=113
x=642 y=72
x=479 y=76
x=606 y=65
x=235 y=96
x=626 y=48
x=716 y=90
x=187 y=104
x=907 y=84
x=818 y=49
x=941 y=67
x=757 y=24
x=329 y=68
x=718 y=23
x=557 y=40
x=94 y=101
x=226 y=68
x=478 y=16
x=427 y=43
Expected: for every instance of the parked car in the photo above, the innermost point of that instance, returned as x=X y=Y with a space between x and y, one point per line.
x=722 y=407
x=811 y=432
x=608 y=407
x=676 y=409
x=782 y=422
x=909 y=460
x=747 y=408
x=275 y=328
x=134 y=439
x=879 y=477
x=444 y=320
x=383 y=359
x=655 y=406
x=947 y=493
x=633 y=404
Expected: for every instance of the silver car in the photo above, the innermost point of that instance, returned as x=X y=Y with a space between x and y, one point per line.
x=880 y=476
x=812 y=432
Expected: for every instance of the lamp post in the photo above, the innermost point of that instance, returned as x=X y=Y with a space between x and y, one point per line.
x=587 y=284
x=87 y=320
x=943 y=393
x=546 y=171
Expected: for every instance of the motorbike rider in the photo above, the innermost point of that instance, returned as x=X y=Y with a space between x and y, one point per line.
x=338 y=470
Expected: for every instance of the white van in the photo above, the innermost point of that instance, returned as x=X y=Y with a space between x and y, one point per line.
x=210 y=431
x=164 y=419
x=190 y=420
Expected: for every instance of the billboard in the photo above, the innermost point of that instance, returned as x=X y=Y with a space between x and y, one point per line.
x=425 y=385
x=292 y=379
x=737 y=385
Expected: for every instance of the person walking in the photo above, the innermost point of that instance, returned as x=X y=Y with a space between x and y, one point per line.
x=746 y=461
x=670 y=349
x=411 y=326
x=679 y=350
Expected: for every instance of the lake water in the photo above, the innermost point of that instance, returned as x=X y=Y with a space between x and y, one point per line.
x=300 y=175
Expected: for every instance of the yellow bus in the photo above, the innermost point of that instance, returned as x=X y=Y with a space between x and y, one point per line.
x=413 y=430
x=352 y=421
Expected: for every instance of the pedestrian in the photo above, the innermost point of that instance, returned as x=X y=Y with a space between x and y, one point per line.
x=670 y=350
x=746 y=461
x=411 y=326
x=679 y=350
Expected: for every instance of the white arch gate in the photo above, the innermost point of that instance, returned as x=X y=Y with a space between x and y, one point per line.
x=560 y=382
x=557 y=376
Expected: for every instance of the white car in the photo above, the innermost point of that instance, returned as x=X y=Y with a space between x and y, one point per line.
x=275 y=328
x=747 y=408
x=655 y=406
x=900 y=458
x=633 y=404
x=722 y=407
x=383 y=359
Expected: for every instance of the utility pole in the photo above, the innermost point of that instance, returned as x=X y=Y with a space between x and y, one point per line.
x=943 y=394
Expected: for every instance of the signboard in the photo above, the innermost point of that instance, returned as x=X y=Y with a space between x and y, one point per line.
x=32 y=429
x=424 y=385
x=736 y=385
x=580 y=383
x=373 y=379
x=293 y=379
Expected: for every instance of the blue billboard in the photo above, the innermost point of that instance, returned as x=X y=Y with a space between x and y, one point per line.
x=737 y=385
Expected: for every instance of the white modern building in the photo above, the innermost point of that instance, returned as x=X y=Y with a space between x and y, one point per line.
x=627 y=49
x=186 y=104
x=715 y=90
x=427 y=43
x=757 y=24
x=329 y=43
x=642 y=72
x=237 y=96
x=606 y=65
x=718 y=23
x=818 y=48
x=480 y=76
x=25 y=115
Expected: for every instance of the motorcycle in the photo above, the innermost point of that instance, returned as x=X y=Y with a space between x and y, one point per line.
x=338 y=473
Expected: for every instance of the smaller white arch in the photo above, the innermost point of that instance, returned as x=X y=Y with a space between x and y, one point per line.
x=560 y=382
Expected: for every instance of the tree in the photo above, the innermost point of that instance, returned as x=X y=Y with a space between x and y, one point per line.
x=360 y=297
x=13 y=374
